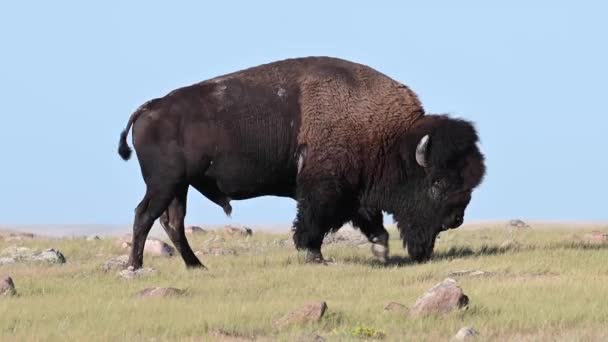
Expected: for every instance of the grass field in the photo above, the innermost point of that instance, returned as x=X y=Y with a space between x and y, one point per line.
x=550 y=285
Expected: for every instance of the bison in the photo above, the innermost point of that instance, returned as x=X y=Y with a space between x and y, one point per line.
x=344 y=140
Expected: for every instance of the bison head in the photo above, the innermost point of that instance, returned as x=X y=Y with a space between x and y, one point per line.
x=441 y=166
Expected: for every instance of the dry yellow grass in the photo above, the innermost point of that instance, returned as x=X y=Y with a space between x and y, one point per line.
x=550 y=286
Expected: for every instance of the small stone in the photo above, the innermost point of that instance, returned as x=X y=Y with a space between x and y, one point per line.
x=231 y=230
x=130 y=273
x=395 y=307
x=442 y=298
x=596 y=237
x=469 y=273
x=312 y=312
x=465 y=334
x=7 y=287
x=158 y=248
x=517 y=223
x=19 y=236
x=17 y=252
x=194 y=230
x=346 y=236
x=152 y=246
x=7 y=260
x=116 y=263
x=157 y=292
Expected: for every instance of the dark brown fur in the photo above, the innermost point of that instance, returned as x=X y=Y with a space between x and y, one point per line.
x=339 y=137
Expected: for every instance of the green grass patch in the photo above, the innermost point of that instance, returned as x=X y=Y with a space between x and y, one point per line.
x=550 y=285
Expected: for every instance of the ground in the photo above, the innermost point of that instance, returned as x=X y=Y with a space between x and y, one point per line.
x=548 y=285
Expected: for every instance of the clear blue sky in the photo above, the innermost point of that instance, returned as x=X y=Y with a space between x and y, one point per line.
x=533 y=77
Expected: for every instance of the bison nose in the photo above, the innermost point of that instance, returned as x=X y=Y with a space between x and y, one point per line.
x=454 y=221
x=458 y=221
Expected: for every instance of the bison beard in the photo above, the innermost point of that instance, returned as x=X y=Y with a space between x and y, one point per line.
x=419 y=242
x=342 y=139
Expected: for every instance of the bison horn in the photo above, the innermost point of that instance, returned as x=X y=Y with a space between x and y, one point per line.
x=421 y=151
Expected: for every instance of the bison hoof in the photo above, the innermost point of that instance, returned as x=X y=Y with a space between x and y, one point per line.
x=314 y=257
x=380 y=252
x=195 y=266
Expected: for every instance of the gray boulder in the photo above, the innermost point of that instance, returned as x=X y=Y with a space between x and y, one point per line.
x=442 y=298
x=13 y=254
x=312 y=312
x=116 y=263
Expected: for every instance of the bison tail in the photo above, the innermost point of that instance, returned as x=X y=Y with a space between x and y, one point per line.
x=123 y=147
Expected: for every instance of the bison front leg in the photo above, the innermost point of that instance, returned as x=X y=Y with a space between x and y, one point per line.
x=370 y=222
x=320 y=208
x=172 y=222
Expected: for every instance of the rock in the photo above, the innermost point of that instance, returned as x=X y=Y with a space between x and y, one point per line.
x=49 y=255
x=312 y=312
x=154 y=247
x=395 y=307
x=158 y=248
x=244 y=231
x=93 y=238
x=7 y=287
x=157 y=292
x=346 y=236
x=517 y=223
x=130 y=273
x=596 y=237
x=116 y=263
x=468 y=273
x=442 y=298
x=7 y=260
x=14 y=251
x=465 y=334
x=194 y=230
x=124 y=241
x=15 y=254
x=19 y=236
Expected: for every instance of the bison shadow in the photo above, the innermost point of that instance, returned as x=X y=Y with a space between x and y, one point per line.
x=459 y=252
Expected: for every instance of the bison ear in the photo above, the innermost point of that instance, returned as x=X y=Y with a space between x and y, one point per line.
x=421 y=151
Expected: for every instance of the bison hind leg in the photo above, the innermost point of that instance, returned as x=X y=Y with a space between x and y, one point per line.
x=172 y=221
x=155 y=202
